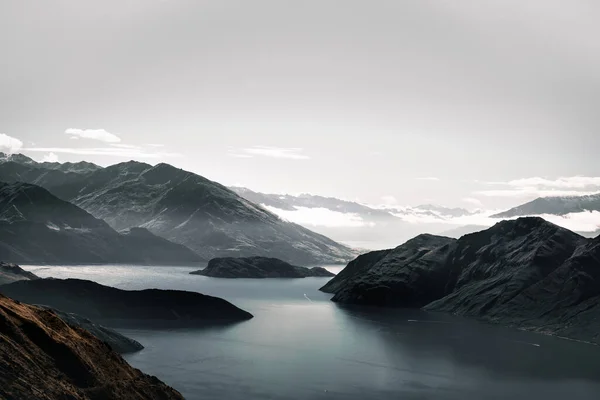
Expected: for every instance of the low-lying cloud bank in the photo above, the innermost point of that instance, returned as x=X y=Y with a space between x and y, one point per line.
x=315 y=217
x=431 y=222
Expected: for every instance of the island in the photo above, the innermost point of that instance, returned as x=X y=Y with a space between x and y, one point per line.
x=258 y=268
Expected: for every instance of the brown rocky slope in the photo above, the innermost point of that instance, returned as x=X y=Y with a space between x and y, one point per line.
x=43 y=358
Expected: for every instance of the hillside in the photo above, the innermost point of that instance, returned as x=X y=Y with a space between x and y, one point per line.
x=44 y=358
x=37 y=227
x=182 y=207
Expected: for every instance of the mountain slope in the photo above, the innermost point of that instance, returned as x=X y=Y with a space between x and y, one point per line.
x=526 y=273
x=37 y=227
x=411 y=275
x=554 y=205
x=184 y=208
x=44 y=358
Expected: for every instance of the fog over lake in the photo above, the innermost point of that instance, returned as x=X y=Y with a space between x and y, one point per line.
x=300 y=345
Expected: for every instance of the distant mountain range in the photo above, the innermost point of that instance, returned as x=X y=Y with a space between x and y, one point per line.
x=554 y=206
x=361 y=225
x=288 y=202
x=176 y=205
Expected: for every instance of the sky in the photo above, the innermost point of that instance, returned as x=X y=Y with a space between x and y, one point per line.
x=478 y=104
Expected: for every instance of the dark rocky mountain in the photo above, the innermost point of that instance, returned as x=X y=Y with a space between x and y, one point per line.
x=44 y=358
x=10 y=273
x=554 y=205
x=182 y=207
x=463 y=230
x=411 y=275
x=526 y=273
x=258 y=267
x=122 y=308
x=37 y=227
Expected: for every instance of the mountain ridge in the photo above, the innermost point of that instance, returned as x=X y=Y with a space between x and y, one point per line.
x=184 y=208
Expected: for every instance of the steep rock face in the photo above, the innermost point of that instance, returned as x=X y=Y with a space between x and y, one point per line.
x=182 y=207
x=10 y=273
x=258 y=267
x=493 y=266
x=554 y=205
x=410 y=275
x=123 y=308
x=44 y=358
x=37 y=227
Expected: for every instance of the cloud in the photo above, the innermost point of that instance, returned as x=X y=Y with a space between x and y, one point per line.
x=473 y=201
x=533 y=192
x=428 y=178
x=105 y=151
x=50 y=157
x=585 y=221
x=291 y=153
x=95 y=134
x=155 y=145
x=389 y=200
x=320 y=217
x=573 y=182
x=543 y=187
x=9 y=144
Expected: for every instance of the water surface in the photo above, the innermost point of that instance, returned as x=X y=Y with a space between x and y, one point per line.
x=300 y=345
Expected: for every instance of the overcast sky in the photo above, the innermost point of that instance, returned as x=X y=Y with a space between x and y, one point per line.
x=462 y=103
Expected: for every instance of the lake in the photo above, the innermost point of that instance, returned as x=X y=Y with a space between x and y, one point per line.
x=300 y=345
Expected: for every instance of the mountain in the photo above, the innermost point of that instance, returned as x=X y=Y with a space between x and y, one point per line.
x=126 y=308
x=463 y=230
x=37 y=227
x=361 y=225
x=182 y=207
x=45 y=358
x=258 y=267
x=291 y=203
x=554 y=205
x=444 y=211
x=526 y=273
x=10 y=273
x=411 y=275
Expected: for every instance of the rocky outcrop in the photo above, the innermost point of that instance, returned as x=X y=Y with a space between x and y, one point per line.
x=182 y=207
x=411 y=275
x=526 y=273
x=10 y=273
x=37 y=227
x=123 y=308
x=258 y=267
x=44 y=358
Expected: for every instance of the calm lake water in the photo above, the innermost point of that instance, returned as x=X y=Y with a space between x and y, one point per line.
x=302 y=346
